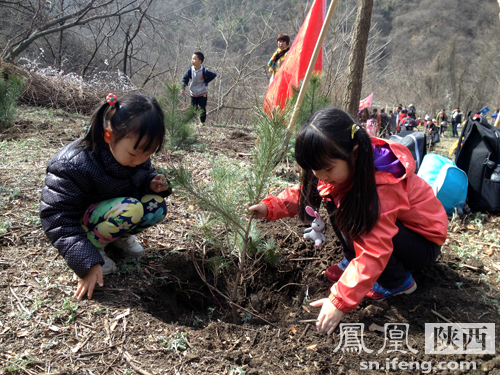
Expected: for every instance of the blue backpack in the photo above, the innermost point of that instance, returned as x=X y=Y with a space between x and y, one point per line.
x=448 y=182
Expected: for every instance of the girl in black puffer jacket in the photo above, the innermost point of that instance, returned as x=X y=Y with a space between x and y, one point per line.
x=101 y=188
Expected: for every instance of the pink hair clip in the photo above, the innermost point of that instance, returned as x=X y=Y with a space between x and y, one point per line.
x=111 y=99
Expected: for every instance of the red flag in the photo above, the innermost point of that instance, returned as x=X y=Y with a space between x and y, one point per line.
x=297 y=60
x=366 y=102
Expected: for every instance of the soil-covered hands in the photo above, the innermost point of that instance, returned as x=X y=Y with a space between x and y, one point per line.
x=87 y=284
x=159 y=183
x=259 y=210
x=329 y=316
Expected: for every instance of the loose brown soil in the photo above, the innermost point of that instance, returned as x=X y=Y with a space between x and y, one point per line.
x=132 y=323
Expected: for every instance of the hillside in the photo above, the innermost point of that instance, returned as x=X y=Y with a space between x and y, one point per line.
x=423 y=28
x=439 y=53
x=430 y=53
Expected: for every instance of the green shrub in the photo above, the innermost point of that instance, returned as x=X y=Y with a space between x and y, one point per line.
x=313 y=101
x=180 y=131
x=10 y=89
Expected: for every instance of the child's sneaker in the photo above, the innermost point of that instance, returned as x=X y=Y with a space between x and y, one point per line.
x=335 y=272
x=109 y=266
x=377 y=293
x=129 y=247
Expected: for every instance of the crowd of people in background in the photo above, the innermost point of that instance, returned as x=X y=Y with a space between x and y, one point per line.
x=400 y=119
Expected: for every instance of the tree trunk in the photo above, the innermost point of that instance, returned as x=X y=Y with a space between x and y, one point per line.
x=354 y=81
x=59 y=57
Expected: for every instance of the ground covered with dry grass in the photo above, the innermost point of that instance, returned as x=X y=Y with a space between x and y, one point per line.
x=156 y=316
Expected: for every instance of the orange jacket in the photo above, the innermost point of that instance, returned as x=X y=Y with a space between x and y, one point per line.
x=408 y=198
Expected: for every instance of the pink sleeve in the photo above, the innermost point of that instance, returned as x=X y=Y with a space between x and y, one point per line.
x=284 y=205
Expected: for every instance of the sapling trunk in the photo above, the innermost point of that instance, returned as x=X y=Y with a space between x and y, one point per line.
x=241 y=270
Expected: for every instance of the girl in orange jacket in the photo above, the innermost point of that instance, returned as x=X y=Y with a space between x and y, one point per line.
x=386 y=217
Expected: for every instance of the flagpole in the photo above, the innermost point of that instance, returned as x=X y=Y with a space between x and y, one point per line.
x=310 y=68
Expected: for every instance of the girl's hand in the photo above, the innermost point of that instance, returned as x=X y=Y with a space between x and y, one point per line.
x=87 y=284
x=259 y=210
x=158 y=183
x=329 y=316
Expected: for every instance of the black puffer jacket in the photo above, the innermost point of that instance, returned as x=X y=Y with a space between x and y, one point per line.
x=77 y=178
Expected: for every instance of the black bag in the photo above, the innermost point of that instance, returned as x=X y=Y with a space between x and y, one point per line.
x=435 y=137
x=415 y=141
x=478 y=154
x=407 y=123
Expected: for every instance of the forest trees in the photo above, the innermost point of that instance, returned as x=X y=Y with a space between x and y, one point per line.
x=146 y=43
x=35 y=19
x=149 y=42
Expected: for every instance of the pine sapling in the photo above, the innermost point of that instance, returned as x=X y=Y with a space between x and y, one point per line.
x=11 y=88
x=231 y=185
x=179 y=125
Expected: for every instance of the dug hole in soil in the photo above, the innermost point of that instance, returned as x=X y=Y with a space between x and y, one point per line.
x=156 y=315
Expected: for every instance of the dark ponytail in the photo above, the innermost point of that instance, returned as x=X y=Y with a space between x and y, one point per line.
x=135 y=114
x=95 y=133
x=329 y=134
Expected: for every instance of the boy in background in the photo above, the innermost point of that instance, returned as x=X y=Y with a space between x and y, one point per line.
x=200 y=78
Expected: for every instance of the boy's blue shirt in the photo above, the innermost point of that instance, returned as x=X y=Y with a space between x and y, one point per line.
x=208 y=76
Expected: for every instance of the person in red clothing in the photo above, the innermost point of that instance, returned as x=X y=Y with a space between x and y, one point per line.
x=403 y=114
x=386 y=217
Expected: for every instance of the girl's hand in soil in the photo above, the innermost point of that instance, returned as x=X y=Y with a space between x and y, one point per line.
x=259 y=210
x=159 y=183
x=87 y=284
x=329 y=316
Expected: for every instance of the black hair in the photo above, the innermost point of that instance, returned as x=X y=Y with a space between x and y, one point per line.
x=382 y=109
x=200 y=55
x=136 y=114
x=327 y=135
x=284 y=38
